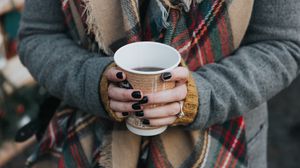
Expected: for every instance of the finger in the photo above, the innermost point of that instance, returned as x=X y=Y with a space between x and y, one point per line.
x=122 y=94
x=160 y=121
x=171 y=95
x=115 y=75
x=125 y=106
x=178 y=74
x=179 y=83
x=162 y=111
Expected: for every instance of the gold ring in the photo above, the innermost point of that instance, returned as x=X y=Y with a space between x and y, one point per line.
x=181 y=113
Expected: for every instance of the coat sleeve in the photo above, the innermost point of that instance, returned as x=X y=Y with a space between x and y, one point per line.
x=267 y=62
x=66 y=70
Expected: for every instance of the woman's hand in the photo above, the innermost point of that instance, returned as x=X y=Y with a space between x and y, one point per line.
x=126 y=101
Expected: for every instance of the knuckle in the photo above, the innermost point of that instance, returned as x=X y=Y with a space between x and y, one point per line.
x=176 y=108
x=124 y=107
x=150 y=113
x=146 y=113
x=110 y=90
x=170 y=111
x=182 y=91
x=178 y=95
x=151 y=98
x=124 y=94
x=182 y=95
x=111 y=104
x=156 y=122
x=183 y=73
x=107 y=73
x=112 y=75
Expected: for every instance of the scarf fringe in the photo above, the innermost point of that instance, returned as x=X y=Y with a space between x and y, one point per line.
x=92 y=27
x=105 y=156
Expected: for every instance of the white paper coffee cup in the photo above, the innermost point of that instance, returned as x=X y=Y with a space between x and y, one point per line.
x=143 y=64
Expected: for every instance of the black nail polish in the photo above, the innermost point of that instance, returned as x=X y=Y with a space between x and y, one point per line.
x=125 y=114
x=144 y=100
x=139 y=113
x=119 y=75
x=166 y=76
x=136 y=94
x=146 y=122
x=136 y=106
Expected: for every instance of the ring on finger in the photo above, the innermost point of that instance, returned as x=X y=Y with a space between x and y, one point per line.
x=181 y=113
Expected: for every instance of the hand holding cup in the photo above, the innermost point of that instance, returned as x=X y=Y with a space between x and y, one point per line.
x=154 y=84
x=128 y=101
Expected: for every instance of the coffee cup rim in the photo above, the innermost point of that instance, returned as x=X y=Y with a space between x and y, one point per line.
x=147 y=72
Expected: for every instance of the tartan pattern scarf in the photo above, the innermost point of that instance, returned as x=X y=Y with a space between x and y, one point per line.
x=203 y=33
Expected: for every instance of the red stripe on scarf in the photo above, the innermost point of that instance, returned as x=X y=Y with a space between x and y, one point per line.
x=185 y=47
x=181 y=49
x=194 y=63
x=76 y=155
x=229 y=141
x=186 y=33
x=240 y=153
x=241 y=146
x=216 y=11
x=134 y=38
x=191 y=27
x=223 y=148
x=203 y=55
x=232 y=159
x=180 y=36
x=224 y=37
x=157 y=156
x=148 y=34
x=50 y=139
x=61 y=163
x=208 y=51
x=68 y=18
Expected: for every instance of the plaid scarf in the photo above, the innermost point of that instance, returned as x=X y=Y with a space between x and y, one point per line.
x=203 y=33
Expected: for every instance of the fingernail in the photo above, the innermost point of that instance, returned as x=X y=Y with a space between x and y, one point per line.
x=136 y=94
x=146 y=122
x=136 y=106
x=119 y=75
x=125 y=114
x=139 y=113
x=144 y=100
x=166 y=76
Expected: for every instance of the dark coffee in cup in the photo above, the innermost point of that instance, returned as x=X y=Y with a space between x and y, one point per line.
x=148 y=69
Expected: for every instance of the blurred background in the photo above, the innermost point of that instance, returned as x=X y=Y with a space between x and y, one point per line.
x=20 y=100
